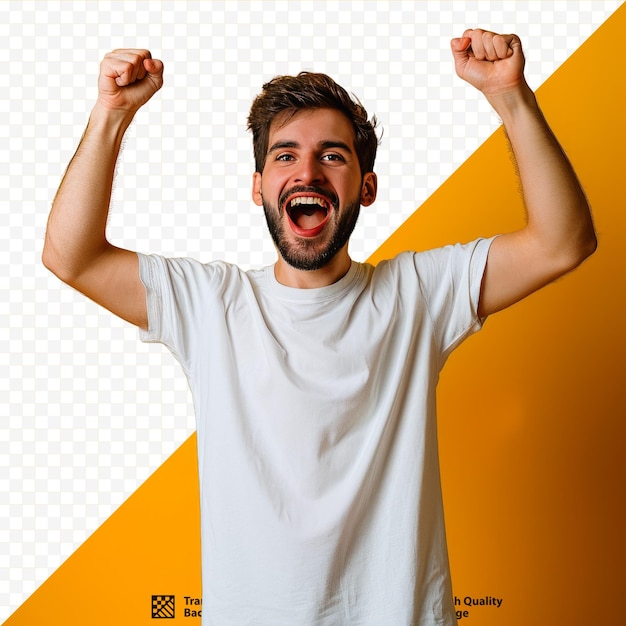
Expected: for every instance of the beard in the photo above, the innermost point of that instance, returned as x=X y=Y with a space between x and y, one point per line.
x=309 y=254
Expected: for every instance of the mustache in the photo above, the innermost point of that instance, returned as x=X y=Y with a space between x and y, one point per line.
x=329 y=195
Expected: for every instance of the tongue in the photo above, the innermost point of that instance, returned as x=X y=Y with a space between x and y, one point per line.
x=309 y=217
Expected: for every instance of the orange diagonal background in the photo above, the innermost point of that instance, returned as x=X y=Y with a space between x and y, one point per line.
x=532 y=412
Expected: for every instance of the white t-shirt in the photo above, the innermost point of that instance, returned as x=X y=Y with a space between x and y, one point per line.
x=317 y=436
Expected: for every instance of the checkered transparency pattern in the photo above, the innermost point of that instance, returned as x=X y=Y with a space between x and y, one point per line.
x=88 y=412
x=163 y=607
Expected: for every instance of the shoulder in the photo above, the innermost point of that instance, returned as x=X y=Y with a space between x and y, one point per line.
x=452 y=255
x=155 y=268
x=449 y=258
x=415 y=262
x=442 y=270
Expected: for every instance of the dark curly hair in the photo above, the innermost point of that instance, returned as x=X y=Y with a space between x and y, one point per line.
x=309 y=90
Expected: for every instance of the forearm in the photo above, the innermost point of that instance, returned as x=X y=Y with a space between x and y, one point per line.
x=558 y=216
x=76 y=235
x=559 y=232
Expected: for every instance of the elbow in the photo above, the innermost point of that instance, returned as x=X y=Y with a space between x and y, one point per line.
x=580 y=240
x=592 y=246
x=48 y=258
x=566 y=254
x=584 y=247
x=587 y=246
x=54 y=263
x=587 y=239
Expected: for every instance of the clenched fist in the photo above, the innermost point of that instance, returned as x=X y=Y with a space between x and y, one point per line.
x=492 y=63
x=128 y=79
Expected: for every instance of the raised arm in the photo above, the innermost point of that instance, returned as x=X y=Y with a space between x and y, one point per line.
x=559 y=232
x=76 y=248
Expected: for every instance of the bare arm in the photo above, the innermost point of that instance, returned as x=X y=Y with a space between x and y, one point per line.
x=76 y=248
x=559 y=232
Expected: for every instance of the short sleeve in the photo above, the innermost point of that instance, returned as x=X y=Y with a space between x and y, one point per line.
x=180 y=293
x=450 y=282
x=169 y=303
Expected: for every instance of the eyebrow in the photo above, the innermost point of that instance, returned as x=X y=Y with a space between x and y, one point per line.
x=323 y=145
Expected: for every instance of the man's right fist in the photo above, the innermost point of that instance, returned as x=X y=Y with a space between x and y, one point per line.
x=128 y=79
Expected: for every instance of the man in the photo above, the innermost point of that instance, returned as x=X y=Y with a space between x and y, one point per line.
x=314 y=379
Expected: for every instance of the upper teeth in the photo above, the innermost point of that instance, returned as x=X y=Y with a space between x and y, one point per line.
x=307 y=200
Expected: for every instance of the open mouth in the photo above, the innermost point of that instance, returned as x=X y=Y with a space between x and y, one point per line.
x=308 y=214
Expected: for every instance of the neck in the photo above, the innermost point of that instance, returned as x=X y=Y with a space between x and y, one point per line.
x=291 y=277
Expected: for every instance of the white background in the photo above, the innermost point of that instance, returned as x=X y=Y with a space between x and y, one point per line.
x=88 y=412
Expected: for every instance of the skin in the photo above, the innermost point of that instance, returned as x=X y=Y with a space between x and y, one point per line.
x=559 y=232
x=313 y=152
x=76 y=248
x=558 y=236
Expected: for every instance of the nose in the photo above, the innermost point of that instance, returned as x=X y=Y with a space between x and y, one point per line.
x=309 y=171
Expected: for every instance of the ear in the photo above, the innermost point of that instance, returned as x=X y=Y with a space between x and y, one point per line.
x=369 y=189
x=257 y=198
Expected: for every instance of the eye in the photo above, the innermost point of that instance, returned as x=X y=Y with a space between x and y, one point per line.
x=332 y=156
x=284 y=157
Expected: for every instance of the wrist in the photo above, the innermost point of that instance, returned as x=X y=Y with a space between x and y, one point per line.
x=508 y=104
x=109 y=120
